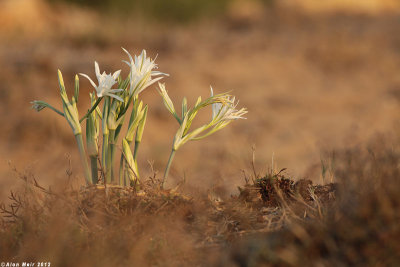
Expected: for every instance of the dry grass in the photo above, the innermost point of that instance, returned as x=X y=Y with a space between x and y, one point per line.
x=359 y=228
x=354 y=222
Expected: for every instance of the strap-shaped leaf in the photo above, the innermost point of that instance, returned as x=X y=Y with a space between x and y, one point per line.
x=132 y=170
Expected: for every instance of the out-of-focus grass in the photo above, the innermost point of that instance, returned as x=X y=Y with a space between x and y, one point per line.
x=172 y=11
x=360 y=229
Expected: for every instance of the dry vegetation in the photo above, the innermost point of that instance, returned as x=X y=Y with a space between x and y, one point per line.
x=274 y=221
x=312 y=82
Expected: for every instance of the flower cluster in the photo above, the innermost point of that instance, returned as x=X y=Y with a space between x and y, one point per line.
x=118 y=102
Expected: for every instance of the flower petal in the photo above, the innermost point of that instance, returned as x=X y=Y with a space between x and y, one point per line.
x=90 y=80
x=149 y=83
x=114 y=96
x=97 y=70
x=127 y=63
x=116 y=90
x=129 y=55
x=116 y=74
x=156 y=73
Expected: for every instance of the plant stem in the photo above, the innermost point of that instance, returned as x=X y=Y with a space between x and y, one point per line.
x=105 y=139
x=121 y=171
x=137 y=143
x=171 y=157
x=104 y=156
x=93 y=164
x=91 y=110
x=110 y=156
x=56 y=111
x=114 y=146
x=82 y=153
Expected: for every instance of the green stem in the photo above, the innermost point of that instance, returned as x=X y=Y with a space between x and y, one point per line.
x=171 y=157
x=114 y=147
x=91 y=110
x=82 y=153
x=110 y=156
x=121 y=171
x=106 y=132
x=93 y=164
x=56 y=110
x=137 y=143
x=104 y=155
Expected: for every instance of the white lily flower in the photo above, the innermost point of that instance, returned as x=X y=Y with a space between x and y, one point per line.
x=224 y=112
x=106 y=81
x=141 y=72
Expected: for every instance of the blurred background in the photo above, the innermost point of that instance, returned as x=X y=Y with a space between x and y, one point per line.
x=315 y=76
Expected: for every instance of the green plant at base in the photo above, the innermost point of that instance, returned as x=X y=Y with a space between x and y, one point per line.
x=92 y=135
x=131 y=171
x=136 y=125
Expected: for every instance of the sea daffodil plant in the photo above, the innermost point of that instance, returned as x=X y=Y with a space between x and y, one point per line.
x=223 y=112
x=117 y=102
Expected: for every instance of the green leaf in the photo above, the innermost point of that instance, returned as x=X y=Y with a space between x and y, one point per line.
x=140 y=130
x=76 y=88
x=184 y=107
